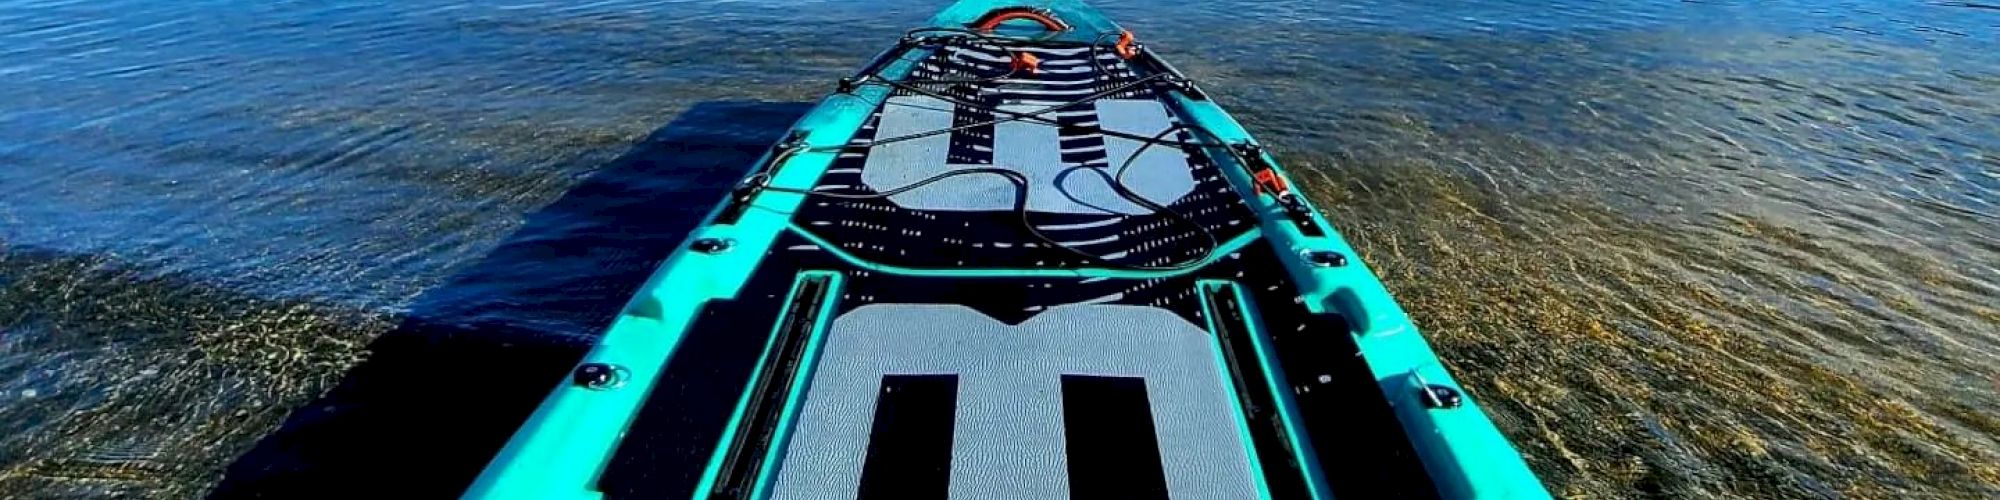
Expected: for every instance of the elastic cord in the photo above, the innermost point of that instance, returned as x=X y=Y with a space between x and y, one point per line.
x=1022 y=186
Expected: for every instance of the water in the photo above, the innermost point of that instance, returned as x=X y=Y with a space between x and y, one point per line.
x=1694 y=249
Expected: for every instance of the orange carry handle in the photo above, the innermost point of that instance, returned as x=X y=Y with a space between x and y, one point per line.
x=997 y=16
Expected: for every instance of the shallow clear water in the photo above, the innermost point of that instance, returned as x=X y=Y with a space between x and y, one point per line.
x=1679 y=249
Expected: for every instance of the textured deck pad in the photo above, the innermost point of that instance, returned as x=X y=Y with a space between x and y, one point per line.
x=1008 y=434
x=1161 y=175
x=1068 y=155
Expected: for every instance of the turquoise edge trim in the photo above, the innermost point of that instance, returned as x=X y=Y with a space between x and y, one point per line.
x=792 y=398
x=801 y=383
x=559 y=451
x=1274 y=381
x=1222 y=368
x=721 y=450
x=1224 y=249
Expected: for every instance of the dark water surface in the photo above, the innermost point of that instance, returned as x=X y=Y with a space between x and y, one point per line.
x=1683 y=249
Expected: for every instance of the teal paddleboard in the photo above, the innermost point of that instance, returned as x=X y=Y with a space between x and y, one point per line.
x=1017 y=255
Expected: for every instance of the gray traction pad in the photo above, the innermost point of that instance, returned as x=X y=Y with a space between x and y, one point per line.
x=1008 y=437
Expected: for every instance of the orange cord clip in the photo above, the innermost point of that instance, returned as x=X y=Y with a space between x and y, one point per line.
x=1267 y=181
x=1024 y=61
x=1124 y=47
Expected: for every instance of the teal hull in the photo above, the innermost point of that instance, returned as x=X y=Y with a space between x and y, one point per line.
x=767 y=245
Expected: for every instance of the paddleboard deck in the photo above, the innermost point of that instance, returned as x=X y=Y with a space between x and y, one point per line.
x=1016 y=256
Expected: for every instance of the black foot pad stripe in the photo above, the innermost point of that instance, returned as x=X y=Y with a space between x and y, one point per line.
x=670 y=442
x=1108 y=428
x=909 y=447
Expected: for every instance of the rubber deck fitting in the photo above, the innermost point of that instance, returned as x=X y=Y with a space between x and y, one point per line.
x=598 y=376
x=1442 y=397
x=1326 y=258
x=711 y=245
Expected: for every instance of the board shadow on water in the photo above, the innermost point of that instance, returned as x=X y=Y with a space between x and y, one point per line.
x=441 y=393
